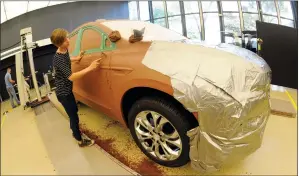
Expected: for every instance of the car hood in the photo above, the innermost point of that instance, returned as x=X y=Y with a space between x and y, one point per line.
x=235 y=70
x=228 y=86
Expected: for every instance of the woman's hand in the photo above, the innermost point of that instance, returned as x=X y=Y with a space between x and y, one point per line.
x=77 y=58
x=95 y=64
x=81 y=55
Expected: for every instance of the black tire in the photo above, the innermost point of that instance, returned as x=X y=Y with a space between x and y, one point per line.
x=173 y=115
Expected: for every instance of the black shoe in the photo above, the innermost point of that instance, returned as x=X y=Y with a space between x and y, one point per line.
x=85 y=143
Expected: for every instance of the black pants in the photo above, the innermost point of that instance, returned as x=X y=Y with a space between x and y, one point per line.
x=70 y=106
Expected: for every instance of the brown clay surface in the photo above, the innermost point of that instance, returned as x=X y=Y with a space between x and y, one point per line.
x=120 y=71
x=117 y=141
x=282 y=107
x=109 y=136
x=280 y=141
x=284 y=114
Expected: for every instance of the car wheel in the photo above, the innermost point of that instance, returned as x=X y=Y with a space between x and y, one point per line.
x=160 y=129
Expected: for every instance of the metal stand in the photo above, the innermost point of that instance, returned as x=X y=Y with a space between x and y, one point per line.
x=24 y=89
x=28 y=45
x=20 y=79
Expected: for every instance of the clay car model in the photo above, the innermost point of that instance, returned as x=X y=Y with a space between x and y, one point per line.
x=127 y=90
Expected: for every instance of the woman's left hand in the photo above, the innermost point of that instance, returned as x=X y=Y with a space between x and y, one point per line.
x=81 y=55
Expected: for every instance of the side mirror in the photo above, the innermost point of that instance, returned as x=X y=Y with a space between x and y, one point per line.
x=114 y=36
x=137 y=35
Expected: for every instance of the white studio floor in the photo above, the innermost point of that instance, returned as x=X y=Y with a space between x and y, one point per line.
x=43 y=145
x=40 y=142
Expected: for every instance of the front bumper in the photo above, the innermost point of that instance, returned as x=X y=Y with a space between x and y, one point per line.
x=232 y=116
x=228 y=86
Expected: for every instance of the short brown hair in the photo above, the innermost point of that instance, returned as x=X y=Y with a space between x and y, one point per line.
x=58 y=36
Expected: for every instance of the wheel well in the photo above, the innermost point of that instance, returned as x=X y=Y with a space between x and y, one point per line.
x=134 y=94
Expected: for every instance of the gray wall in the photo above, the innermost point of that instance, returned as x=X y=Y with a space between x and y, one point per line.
x=68 y=16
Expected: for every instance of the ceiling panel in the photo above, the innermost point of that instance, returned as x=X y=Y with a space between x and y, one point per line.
x=56 y=2
x=15 y=8
x=33 y=5
x=3 y=15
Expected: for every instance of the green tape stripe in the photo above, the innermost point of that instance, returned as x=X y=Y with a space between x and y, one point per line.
x=78 y=42
x=73 y=33
x=102 y=47
x=93 y=27
x=97 y=50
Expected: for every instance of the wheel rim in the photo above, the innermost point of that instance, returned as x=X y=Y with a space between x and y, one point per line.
x=158 y=136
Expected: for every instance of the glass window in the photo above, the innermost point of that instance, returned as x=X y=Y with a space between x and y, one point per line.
x=233 y=39
x=250 y=21
x=144 y=10
x=249 y=6
x=175 y=24
x=231 y=22
x=158 y=9
x=91 y=39
x=230 y=6
x=209 y=6
x=270 y=19
x=229 y=40
x=212 y=28
x=194 y=28
x=160 y=22
x=191 y=7
x=285 y=9
x=286 y=22
x=268 y=7
x=173 y=8
x=152 y=32
x=133 y=14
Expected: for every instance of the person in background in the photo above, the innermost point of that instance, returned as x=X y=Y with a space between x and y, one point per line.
x=64 y=81
x=10 y=89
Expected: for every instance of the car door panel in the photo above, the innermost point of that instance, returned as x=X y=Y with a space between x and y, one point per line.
x=94 y=86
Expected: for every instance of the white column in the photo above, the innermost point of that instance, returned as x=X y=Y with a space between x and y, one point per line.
x=20 y=77
x=28 y=40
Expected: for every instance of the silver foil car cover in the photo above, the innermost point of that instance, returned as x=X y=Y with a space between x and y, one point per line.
x=228 y=86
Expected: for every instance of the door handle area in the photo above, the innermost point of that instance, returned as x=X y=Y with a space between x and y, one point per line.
x=103 y=55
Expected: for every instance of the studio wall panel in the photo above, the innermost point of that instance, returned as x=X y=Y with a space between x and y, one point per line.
x=280 y=50
x=68 y=16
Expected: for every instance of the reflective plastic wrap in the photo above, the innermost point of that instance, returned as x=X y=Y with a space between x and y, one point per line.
x=230 y=90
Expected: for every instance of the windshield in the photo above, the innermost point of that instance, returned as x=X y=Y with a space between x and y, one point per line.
x=152 y=31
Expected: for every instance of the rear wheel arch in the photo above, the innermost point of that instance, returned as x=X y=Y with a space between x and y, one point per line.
x=134 y=94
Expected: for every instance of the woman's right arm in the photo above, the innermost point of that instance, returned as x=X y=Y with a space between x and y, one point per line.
x=94 y=65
